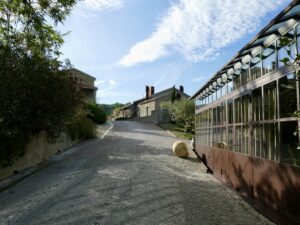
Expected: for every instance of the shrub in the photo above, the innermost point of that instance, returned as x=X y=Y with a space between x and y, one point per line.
x=12 y=145
x=96 y=113
x=80 y=127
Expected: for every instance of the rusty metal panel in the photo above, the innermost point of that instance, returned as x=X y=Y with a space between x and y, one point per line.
x=291 y=191
x=267 y=182
x=243 y=172
x=217 y=162
x=224 y=171
x=231 y=179
x=206 y=153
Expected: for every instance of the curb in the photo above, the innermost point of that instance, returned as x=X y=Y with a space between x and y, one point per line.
x=14 y=179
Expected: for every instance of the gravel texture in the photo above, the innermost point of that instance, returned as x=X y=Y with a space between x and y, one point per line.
x=128 y=177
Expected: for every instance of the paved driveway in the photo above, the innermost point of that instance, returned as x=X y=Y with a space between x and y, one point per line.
x=129 y=177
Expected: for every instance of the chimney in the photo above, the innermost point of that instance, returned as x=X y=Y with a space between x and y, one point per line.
x=181 y=88
x=147 y=92
x=152 y=90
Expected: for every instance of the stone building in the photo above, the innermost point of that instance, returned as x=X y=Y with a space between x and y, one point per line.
x=149 y=109
x=85 y=83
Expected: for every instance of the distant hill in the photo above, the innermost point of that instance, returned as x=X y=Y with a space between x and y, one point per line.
x=108 y=108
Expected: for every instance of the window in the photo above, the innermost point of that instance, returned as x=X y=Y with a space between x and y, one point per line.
x=229 y=86
x=255 y=67
x=245 y=108
x=287 y=95
x=222 y=114
x=245 y=76
x=290 y=143
x=238 y=138
x=236 y=80
x=230 y=139
x=237 y=109
x=258 y=140
x=245 y=140
x=257 y=104
x=269 y=59
x=230 y=112
x=271 y=141
x=270 y=101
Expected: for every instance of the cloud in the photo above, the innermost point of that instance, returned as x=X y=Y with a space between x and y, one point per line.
x=200 y=79
x=112 y=82
x=103 y=4
x=199 y=29
x=97 y=83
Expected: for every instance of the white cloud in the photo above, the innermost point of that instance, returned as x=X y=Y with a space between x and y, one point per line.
x=99 y=82
x=103 y=4
x=199 y=29
x=112 y=82
x=200 y=79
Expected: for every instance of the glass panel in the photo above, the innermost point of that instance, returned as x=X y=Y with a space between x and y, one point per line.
x=257 y=104
x=230 y=112
x=230 y=139
x=287 y=96
x=282 y=53
x=290 y=143
x=219 y=93
x=258 y=140
x=270 y=101
x=238 y=138
x=229 y=86
x=215 y=118
x=222 y=116
x=224 y=138
x=245 y=140
x=217 y=137
x=214 y=96
x=236 y=80
x=237 y=109
x=245 y=107
x=245 y=74
x=256 y=65
x=269 y=59
x=271 y=141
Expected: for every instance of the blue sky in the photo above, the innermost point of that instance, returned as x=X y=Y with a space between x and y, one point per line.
x=128 y=44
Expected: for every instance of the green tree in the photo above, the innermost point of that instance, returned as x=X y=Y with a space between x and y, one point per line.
x=182 y=111
x=96 y=113
x=35 y=93
x=26 y=24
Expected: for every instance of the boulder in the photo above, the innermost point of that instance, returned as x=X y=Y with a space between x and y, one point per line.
x=180 y=149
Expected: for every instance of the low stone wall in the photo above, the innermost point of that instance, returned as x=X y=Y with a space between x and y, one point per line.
x=38 y=149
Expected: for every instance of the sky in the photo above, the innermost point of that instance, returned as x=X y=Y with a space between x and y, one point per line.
x=128 y=44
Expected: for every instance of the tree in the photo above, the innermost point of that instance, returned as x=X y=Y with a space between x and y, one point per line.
x=182 y=111
x=24 y=24
x=35 y=93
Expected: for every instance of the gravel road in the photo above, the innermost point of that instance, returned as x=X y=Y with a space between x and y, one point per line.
x=129 y=177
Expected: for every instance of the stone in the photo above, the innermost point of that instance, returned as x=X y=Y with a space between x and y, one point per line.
x=180 y=149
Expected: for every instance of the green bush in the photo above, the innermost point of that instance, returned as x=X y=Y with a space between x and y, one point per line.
x=80 y=127
x=12 y=146
x=96 y=113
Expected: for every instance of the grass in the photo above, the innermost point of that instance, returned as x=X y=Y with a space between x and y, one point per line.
x=177 y=130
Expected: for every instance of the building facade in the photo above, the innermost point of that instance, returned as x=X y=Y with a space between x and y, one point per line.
x=149 y=110
x=245 y=129
x=85 y=83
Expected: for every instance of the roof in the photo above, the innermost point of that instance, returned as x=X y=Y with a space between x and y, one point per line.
x=156 y=95
x=82 y=73
x=284 y=20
